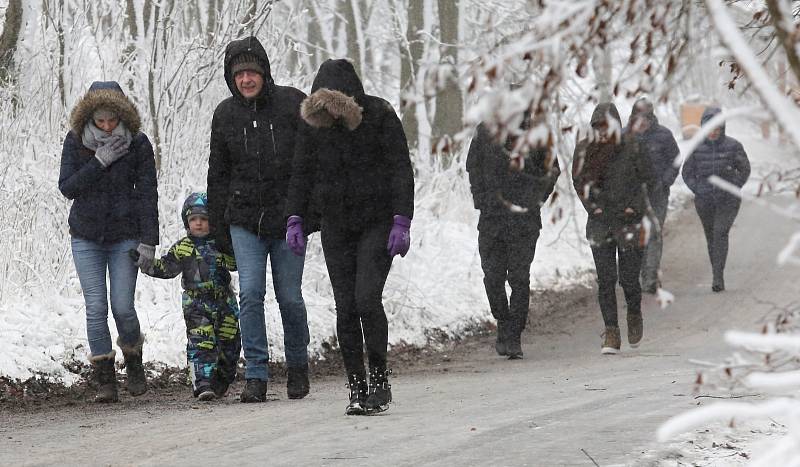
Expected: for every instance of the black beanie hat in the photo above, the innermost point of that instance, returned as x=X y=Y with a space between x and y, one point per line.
x=246 y=61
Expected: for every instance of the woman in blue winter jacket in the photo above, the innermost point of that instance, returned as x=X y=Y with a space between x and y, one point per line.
x=108 y=171
x=723 y=157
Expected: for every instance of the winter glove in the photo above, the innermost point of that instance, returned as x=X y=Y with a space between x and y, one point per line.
x=294 y=235
x=399 y=236
x=111 y=151
x=147 y=254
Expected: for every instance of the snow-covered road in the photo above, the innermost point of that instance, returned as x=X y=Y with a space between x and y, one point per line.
x=562 y=403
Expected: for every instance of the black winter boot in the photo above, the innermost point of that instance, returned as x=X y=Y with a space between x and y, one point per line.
x=104 y=376
x=255 y=390
x=219 y=385
x=500 y=342
x=137 y=381
x=357 y=382
x=380 y=391
x=297 y=385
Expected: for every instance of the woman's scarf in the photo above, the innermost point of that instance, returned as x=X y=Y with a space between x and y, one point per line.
x=94 y=137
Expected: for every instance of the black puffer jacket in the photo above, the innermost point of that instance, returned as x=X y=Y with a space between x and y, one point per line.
x=724 y=157
x=495 y=186
x=115 y=203
x=611 y=177
x=352 y=163
x=660 y=146
x=252 y=145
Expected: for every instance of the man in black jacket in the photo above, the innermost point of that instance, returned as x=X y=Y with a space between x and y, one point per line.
x=657 y=142
x=252 y=145
x=509 y=183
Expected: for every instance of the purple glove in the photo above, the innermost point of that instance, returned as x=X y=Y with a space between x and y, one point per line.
x=294 y=235
x=399 y=237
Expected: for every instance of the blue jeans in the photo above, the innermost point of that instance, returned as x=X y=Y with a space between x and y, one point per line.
x=287 y=279
x=92 y=260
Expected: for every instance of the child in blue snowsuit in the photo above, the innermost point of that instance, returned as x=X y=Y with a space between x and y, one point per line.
x=209 y=304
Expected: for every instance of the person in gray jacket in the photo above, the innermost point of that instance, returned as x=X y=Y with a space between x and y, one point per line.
x=658 y=144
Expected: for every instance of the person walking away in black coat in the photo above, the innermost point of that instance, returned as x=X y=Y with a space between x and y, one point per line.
x=352 y=166
x=611 y=177
x=724 y=157
x=252 y=145
x=509 y=184
x=658 y=144
x=108 y=171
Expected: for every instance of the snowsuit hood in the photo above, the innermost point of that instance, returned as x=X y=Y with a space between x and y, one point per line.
x=252 y=46
x=334 y=97
x=107 y=95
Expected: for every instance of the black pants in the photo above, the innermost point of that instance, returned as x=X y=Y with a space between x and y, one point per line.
x=506 y=256
x=608 y=270
x=358 y=264
x=717 y=216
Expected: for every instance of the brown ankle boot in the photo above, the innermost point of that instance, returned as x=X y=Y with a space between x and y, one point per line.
x=612 y=341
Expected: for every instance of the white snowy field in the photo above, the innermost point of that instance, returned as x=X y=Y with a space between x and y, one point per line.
x=436 y=289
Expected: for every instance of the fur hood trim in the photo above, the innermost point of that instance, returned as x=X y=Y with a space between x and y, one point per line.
x=324 y=107
x=115 y=101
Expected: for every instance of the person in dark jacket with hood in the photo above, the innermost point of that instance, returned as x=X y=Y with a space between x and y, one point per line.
x=658 y=144
x=352 y=165
x=509 y=184
x=252 y=145
x=720 y=156
x=108 y=171
x=611 y=177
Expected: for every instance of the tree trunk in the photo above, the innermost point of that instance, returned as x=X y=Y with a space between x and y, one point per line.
x=8 y=41
x=410 y=57
x=316 y=43
x=151 y=89
x=249 y=17
x=351 y=29
x=211 y=24
x=449 y=101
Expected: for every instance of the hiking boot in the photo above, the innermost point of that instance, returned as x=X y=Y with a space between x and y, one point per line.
x=635 y=329
x=137 y=381
x=297 y=385
x=612 y=341
x=255 y=390
x=104 y=375
x=380 y=391
x=357 y=382
x=500 y=342
x=205 y=393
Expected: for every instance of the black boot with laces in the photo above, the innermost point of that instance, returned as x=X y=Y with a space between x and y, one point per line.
x=357 y=382
x=380 y=391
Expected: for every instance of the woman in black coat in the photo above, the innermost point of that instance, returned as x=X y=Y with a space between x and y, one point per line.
x=108 y=171
x=352 y=173
x=721 y=156
x=612 y=178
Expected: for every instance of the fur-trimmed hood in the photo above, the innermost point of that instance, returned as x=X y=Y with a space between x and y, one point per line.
x=324 y=107
x=108 y=95
x=334 y=96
